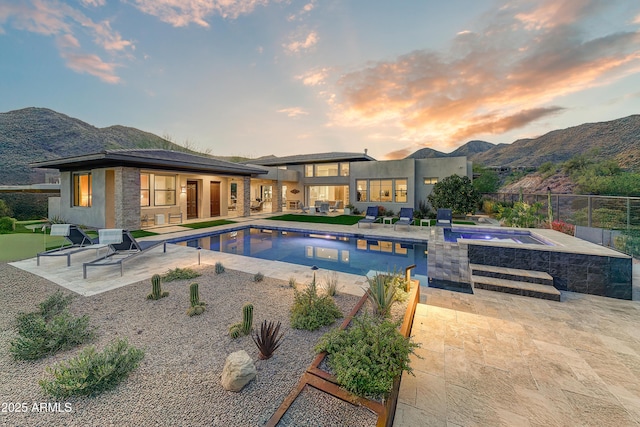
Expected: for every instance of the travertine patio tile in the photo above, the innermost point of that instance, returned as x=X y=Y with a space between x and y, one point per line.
x=432 y=392
x=617 y=345
x=591 y=411
x=409 y=416
x=431 y=362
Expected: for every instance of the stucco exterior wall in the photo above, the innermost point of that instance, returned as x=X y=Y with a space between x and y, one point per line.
x=91 y=216
x=391 y=169
x=440 y=168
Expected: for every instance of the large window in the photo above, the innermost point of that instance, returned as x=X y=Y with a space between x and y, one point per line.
x=401 y=191
x=145 y=189
x=82 y=189
x=308 y=170
x=327 y=169
x=382 y=190
x=164 y=193
x=361 y=188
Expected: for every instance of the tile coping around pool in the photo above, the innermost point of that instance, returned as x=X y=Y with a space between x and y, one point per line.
x=154 y=262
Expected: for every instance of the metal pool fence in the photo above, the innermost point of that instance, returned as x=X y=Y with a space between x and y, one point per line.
x=617 y=217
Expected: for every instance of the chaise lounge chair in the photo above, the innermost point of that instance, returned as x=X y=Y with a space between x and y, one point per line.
x=406 y=218
x=371 y=216
x=122 y=247
x=443 y=217
x=78 y=239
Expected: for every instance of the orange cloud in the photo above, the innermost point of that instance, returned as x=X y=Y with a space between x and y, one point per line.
x=293 y=111
x=501 y=78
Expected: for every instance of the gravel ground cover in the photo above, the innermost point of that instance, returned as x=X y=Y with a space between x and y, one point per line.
x=178 y=381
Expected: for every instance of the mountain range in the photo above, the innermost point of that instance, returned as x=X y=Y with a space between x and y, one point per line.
x=616 y=139
x=34 y=134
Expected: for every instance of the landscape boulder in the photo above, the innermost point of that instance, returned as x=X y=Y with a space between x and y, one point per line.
x=238 y=371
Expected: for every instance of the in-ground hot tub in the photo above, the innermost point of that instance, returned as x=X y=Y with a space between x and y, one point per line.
x=575 y=265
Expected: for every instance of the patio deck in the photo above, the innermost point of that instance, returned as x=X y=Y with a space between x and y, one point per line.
x=487 y=358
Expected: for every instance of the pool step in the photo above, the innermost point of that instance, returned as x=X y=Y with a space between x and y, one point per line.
x=529 y=283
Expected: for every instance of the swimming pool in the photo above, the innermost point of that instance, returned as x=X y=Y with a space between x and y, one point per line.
x=355 y=254
x=522 y=237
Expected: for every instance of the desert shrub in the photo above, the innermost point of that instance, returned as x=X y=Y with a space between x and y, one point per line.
x=311 y=311
x=219 y=268
x=331 y=283
x=54 y=304
x=563 y=227
x=367 y=356
x=522 y=215
x=490 y=207
x=91 y=372
x=179 y=274
x=423 y=211
x=7 y=225
x=258 y=277
x=292 y=282
x=49 y=330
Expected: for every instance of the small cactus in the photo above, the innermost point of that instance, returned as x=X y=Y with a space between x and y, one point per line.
x=156 y=290
x=243 y=328
x=258 y=277
x=197 y=306
x=247 y=318
x=219 y=268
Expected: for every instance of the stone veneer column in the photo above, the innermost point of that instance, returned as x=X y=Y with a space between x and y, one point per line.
x=244 y=197
x=127 y=198
x=276 y=197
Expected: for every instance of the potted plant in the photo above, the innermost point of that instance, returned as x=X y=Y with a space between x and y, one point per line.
x=348 y=209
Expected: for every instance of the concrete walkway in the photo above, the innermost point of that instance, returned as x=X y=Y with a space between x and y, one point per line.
x=493 y=359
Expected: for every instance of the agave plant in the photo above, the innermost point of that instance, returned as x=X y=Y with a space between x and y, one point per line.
x=381 y=293
x=268 y=339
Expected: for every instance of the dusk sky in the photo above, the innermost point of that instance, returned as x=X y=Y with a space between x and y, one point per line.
x=260 y=77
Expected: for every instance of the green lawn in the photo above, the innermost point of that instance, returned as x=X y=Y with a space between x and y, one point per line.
x=207 y=224
x=14 y=247
x=340 y=219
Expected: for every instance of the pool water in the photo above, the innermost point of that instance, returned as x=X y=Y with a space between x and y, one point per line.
x=492 y=236
x=348 y=254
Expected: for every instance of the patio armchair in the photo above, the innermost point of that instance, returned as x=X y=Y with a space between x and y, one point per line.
x=406 y=218
x=76 y=241
x=337 y=205
x=303 y=208
x=370 y=217
x=256 y=206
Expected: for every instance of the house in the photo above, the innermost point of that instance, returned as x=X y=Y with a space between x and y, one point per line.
x=360 y=180
x=120 y=188
x=141 y=187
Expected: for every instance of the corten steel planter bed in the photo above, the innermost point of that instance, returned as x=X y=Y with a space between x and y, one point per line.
x=326 y=382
